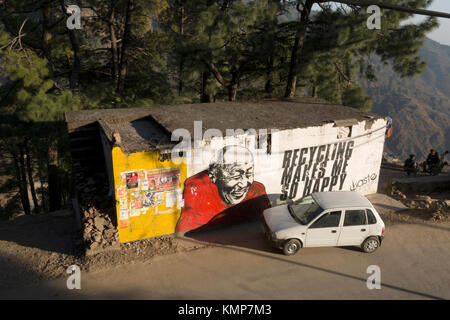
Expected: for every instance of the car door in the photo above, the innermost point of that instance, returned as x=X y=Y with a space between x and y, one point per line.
x=354 y=229
x=324 y=231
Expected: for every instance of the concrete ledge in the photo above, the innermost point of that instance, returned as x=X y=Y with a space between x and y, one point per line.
x=421 y=185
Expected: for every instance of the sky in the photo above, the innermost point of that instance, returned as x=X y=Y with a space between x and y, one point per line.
x=441 y=34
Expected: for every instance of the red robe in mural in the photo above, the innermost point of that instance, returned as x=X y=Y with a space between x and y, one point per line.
x=203 y=206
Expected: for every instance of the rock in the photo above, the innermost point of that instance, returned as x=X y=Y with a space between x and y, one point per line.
x=97 y=237
x=87 y=238
x=88 y=229
x=99 y=223
x=108 y=233
x=94 y=246
x=412 y=203
x=110 y=226
x=423 y=198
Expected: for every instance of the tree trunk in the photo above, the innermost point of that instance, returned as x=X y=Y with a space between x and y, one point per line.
x=113 y=39
x=232 y=92
x=46 y=34
x=44 y=204
x=23 y=178
x=30 y=179
x=53 y=185
x=313 y=90
x=297 y=49
x=125 y=45
x=205 y=98
x=180 y=81
x=23 y=191
x=75 y=72
x=233 y=86
x=269 y=86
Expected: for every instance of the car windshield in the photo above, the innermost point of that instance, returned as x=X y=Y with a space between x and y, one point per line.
x=304 y=210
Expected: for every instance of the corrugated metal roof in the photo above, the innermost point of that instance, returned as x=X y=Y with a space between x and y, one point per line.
x=136 y=126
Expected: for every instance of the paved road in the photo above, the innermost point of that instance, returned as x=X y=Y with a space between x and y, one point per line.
x=414 y=261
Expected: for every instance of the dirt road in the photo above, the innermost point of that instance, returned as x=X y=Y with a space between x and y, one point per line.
x=238 y=264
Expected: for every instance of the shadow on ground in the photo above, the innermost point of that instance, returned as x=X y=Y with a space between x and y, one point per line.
x=250 y=236
x=246 y=234
x=46 y=231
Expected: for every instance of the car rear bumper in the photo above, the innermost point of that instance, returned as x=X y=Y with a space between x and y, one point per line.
x=381 y=239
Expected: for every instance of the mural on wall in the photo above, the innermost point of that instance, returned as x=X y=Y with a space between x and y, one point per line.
x=317 y=168
x=154 y=201
x=369 y=179
x=147 y=191
x=224 y=193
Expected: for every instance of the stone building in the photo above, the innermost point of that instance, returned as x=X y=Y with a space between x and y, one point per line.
x=183 y=167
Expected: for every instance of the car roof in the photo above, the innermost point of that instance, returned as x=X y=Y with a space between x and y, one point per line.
x=339 y=199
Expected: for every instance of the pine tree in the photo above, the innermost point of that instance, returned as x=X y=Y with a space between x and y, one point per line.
x=345 y=32
x=222 y=38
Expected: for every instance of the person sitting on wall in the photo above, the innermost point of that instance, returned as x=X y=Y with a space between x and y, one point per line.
x=223 y=194
x=410 y=165
x=432 y=161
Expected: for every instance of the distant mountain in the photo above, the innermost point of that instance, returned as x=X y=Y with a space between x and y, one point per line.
x=419 y=106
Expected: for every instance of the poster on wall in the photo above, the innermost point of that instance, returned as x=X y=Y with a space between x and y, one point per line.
x=147 y=191
x=164 y=179
x=132 y=180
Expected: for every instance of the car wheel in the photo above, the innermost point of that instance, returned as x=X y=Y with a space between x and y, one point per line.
x=291 y=247
x=370 y=244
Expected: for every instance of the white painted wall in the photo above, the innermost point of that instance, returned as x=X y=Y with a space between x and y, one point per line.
x=361 y=173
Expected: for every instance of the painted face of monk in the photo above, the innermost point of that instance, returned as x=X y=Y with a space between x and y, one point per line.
x=235 y=176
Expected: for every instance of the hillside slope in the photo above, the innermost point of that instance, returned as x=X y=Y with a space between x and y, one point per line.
x=419 y=106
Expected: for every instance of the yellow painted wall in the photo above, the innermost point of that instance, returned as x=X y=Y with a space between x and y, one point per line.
x=150 y=221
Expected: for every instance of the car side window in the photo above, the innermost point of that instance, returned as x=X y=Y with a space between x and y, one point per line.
x=371 y=217
x=328 y=220
x=354 y=218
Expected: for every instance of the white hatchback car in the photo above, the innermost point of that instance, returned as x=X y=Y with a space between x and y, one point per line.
x=337 y=218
